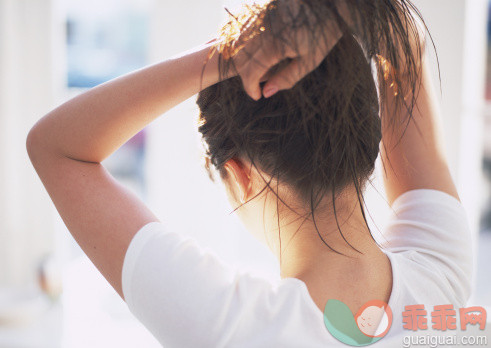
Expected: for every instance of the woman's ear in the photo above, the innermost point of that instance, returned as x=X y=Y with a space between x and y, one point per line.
x=239 y=179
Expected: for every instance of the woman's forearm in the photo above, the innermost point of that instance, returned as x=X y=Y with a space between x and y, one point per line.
x=94 y=124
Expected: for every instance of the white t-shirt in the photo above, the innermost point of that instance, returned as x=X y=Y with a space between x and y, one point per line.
x=187 y=297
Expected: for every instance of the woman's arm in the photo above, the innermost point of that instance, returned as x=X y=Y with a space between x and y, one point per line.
x=67 y=145
x=93 y=125
x=414 y=157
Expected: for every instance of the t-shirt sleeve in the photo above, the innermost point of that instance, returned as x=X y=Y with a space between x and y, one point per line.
x=431 y=228
x=186 y=296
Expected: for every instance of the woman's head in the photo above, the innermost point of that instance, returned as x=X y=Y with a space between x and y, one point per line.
x=313 y=141
x=312 y=147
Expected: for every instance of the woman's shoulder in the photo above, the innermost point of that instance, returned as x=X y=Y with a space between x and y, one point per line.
x=418 y=279
x=428 y=240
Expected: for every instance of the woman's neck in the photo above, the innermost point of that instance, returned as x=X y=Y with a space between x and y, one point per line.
x=337 y=270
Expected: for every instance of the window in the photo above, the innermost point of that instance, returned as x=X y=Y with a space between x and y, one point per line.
x=104 y=39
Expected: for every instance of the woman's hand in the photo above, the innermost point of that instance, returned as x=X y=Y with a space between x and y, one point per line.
x=278 y=49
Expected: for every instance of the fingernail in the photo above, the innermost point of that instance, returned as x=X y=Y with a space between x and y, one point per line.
x=268 y=92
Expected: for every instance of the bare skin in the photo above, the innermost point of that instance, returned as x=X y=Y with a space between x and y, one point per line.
x=68 y=145
x=354 y=278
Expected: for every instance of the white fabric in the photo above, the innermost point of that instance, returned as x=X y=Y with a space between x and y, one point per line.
x=187 y=297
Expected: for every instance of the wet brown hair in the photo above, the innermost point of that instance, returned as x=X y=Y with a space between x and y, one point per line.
x=324 y=133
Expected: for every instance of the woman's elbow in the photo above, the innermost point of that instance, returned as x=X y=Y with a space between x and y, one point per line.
x=31 y=142
x=35 y=145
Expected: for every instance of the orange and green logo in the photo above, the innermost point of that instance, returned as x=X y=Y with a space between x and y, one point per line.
x=369 y=325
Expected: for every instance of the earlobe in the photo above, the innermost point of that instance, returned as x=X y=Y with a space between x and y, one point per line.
x=242 y=196
x=249 y=187
x=240 y=178
x=245 y=194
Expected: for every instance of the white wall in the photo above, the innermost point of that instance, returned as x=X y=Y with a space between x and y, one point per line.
x=459 y=30
x=28 y=66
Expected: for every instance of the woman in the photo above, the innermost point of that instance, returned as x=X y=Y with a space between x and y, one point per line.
x=289 y=113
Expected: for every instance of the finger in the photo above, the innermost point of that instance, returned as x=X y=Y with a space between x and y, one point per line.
x=256 y=69
x=288 y=76
x=273 y=70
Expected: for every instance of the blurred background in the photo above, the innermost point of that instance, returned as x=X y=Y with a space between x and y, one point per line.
x=51 y=50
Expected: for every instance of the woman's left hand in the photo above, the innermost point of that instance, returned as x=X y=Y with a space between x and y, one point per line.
x=282 y=52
